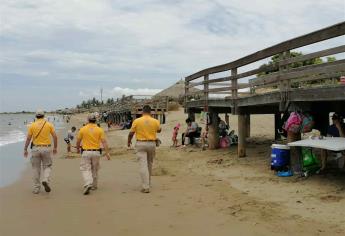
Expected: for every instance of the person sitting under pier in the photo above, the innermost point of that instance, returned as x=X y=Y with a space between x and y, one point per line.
x=223 y=127
x=337 y=129
x=192 y=131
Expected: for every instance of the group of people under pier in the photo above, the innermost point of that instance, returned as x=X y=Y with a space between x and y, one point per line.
x=288 y=132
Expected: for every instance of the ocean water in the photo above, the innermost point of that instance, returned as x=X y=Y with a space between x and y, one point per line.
x=13 y=129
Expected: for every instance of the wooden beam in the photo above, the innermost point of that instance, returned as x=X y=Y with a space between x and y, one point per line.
x=264 y=68
x=309 y=56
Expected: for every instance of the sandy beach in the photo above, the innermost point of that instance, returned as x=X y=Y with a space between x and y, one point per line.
x=194 y=192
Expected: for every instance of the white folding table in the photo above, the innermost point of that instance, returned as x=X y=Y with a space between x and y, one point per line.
x=330 y=143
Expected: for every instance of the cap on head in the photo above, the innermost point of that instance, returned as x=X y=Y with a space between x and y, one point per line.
x=39 y=113
x=92 y=117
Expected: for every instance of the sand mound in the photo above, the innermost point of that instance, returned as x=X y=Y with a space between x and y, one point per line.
x=175 y=91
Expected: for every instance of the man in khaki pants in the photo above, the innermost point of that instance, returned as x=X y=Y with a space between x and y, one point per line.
x=145 y=129
x=39 y=132
x=91 y=136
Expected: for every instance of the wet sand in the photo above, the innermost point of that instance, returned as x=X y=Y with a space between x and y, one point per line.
x=194 y=193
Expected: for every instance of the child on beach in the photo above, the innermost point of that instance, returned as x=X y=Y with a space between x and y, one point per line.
x=175 y=133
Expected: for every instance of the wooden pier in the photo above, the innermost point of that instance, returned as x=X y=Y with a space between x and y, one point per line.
x=130 y=108
x=242 y=88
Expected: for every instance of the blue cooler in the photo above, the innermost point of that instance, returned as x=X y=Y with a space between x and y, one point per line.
x=280 y=157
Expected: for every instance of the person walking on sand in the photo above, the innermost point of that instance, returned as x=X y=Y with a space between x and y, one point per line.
x=39 y=132
x=91 y=137
x=145 y=129
x=70 y=138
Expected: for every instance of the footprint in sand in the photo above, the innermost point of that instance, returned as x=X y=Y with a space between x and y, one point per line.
x=331 y=198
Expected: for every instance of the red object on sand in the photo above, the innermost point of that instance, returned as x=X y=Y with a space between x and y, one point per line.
x=342 y=79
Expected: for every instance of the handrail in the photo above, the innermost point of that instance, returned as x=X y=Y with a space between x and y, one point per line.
x=280 y=76
x=314 y=37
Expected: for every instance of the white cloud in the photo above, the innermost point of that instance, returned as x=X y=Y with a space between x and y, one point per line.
x=145 y=43
x=117 y=92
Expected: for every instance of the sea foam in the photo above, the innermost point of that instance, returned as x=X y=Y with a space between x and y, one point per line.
x=13 y=136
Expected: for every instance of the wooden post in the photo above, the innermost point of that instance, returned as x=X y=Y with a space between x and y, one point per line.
x=247 y=125
x=227 y=119
x=206 y=87
x=241 y=148
x=234 y=90
x=191 y=115
x=186 y=91
x=213 y=134
x=321 y=121
x=277 y=125
x=284 y=85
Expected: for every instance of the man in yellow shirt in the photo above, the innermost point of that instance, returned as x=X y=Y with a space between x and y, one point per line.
x=91 y=136
x=39 y=132
x=145 y=129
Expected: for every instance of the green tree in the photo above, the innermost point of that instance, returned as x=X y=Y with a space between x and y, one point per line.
x=331 y=59
x=273 y=63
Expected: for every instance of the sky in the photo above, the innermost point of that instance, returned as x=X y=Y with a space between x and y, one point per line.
x=54 y=54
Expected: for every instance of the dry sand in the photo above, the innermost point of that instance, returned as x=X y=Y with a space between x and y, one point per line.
x=193 y=194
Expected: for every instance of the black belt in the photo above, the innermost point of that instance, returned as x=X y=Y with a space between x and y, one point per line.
x=146 y=140
x=49 y=145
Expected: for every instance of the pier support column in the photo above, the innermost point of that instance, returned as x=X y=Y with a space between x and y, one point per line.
x=213 y=134
x=242 y=133
x=321 y=122
x=191 y=115
x=247 y=125
x=227 y=121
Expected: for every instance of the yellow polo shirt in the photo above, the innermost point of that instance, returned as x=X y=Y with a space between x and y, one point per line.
x=43 y=137
x=91 y=136
x=145 y=128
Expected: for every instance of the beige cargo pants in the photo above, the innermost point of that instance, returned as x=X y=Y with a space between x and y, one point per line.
x=41 y=159
x=89 y=167
x=145 y=152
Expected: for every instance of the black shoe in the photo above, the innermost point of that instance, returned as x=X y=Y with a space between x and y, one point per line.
x=46 y=186
x=87 y=189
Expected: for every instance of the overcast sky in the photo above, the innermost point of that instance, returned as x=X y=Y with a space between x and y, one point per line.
x=54 y=54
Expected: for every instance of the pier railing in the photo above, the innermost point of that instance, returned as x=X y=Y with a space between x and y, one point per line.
x=242 y=77
x=132 y=106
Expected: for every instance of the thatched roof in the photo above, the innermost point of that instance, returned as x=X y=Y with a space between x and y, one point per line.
x=175 y=91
